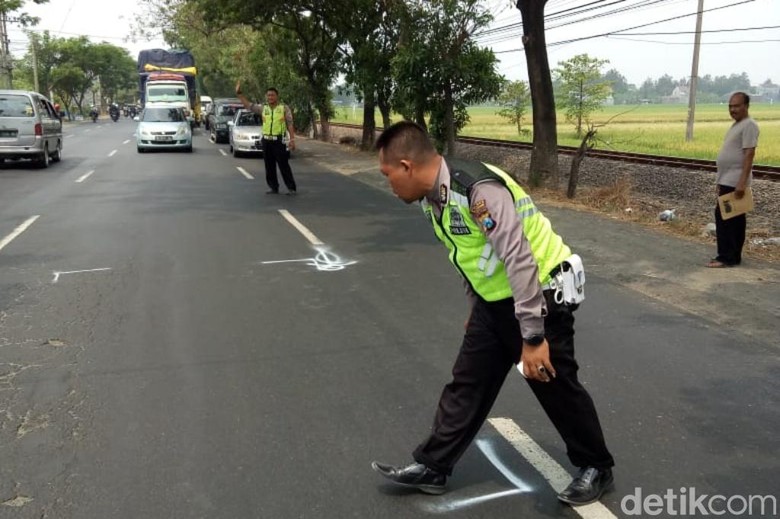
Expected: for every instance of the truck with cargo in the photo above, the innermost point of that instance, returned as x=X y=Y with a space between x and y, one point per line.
x=169 y=77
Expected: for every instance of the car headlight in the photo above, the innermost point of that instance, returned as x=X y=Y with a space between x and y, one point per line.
x=183 y=130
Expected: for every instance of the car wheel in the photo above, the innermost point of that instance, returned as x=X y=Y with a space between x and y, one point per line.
x=188 y=149
x=43 y=160
x=57 y=155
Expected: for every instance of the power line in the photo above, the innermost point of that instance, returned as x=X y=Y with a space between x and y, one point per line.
x=620 y=37
x=692 y=32
x=645 y=25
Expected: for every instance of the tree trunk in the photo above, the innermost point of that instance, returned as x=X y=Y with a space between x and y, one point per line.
x=544 y=157
x=449 y=120
x=384 y=109
x=369 y=122
x=574 y=172
x=419 y=117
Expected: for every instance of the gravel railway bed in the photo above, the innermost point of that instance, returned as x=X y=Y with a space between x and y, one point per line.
x=690 y=192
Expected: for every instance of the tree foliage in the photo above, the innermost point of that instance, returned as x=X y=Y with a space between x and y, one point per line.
x=439 y=68
x=514 y=99
x=73 y=67
x=583 y=90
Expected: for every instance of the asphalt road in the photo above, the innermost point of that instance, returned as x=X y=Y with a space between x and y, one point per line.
x=172 y=346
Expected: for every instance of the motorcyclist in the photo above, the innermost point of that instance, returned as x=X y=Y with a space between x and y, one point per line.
x=113 y=111
x=93 y=113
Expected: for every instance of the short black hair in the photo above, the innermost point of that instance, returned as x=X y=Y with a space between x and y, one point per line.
x=272 y=89
x=745 y=97
x=405 y=139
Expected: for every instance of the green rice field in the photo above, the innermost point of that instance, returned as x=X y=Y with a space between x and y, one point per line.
x=653 y=129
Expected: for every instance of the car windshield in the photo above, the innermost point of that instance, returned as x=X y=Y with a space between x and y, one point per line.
x=228 y=110
x=167 y=93
x=15 y=106
x=248 y=119
x=162 y=115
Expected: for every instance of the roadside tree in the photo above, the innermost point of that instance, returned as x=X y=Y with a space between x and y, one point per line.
x=544 y=157
x=439 y=67
x=515 y=98
x=583 y=90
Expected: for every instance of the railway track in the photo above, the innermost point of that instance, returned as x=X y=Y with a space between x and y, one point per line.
x=759 y=171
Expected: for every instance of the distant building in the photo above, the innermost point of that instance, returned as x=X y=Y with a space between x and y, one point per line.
x=679 y=95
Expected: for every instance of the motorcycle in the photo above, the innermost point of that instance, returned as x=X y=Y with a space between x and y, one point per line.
x=93 y=114
x=115 y=115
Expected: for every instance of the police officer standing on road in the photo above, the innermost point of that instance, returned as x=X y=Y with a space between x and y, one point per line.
x=516 y=272
x=277 y=118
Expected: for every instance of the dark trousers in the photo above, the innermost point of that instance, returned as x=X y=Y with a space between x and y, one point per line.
x=276 y=152
x=491 y=347
x=730 y=233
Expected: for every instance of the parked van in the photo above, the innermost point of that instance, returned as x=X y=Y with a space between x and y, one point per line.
x=30 y=128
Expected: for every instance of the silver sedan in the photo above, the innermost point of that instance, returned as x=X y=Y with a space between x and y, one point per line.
x=246 y=133
x=163 y=128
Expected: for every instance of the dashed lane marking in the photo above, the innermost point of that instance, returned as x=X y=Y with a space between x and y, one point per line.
x=19 y=230
x=223 y=152
x=125 y=142
x=301 y=228
x=84 y=177
x=245 y=173
x=550 y=469
x=112 y=153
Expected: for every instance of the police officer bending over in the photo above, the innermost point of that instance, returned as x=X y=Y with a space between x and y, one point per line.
x=523 y=283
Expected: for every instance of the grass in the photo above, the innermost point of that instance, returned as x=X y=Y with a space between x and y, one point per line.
x=653 y=129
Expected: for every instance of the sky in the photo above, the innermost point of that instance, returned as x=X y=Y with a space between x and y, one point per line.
x=636 y=56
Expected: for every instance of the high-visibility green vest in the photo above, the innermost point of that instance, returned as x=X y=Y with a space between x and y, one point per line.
x=274 y=124
x=470 y=251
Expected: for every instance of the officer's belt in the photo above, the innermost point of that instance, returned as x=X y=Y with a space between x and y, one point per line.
x=273 y=137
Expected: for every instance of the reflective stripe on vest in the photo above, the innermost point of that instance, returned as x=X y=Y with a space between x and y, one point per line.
x=274 y=124
x=473 y=255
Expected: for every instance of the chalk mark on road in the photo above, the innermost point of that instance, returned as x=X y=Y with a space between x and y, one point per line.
x=324 y=261
x=58 y=274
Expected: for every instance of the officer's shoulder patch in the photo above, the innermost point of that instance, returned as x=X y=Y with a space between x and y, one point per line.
x=478 y=207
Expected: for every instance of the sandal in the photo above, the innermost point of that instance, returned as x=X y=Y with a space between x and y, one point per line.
x=715 y=264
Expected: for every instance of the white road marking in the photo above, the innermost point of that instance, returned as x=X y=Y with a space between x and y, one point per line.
x=84 y=177
x=19 y=230
x=112 y=153
x=125 y=142
x=223 y=152
x=550 y=469
x=58 y=274
x=244 y=172
x=301 y=228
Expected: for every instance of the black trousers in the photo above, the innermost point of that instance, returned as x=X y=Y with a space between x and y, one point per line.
x=491 y=347
x=730 y=233
x=276 y=152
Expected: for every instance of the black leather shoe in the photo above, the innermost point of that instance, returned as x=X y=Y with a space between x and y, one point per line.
x=415 y=475
x=587 y=487
x=272 y=192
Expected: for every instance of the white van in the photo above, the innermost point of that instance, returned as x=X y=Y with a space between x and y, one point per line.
x=30 y=128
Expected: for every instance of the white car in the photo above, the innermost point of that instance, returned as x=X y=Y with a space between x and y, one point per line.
x=246 y=133
x=163 y=128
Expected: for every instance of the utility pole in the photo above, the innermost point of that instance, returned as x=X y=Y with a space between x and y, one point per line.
x=694 y=74
x=33 y=45
x=5 y=58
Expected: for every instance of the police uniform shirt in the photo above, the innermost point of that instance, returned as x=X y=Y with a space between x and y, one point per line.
x=258 y=109
x=509 y=243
